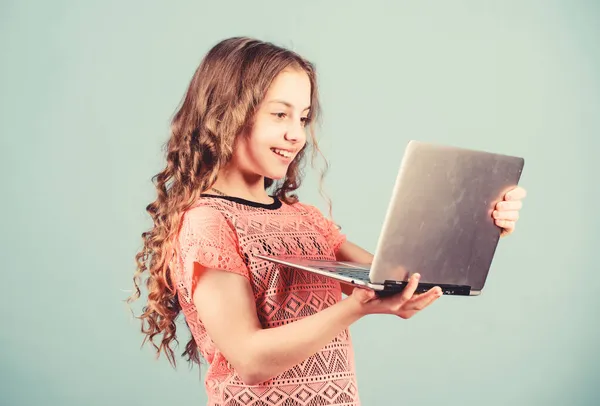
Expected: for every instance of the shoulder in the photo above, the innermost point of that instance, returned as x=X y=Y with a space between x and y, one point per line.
x=205 y=214
x=311 y=213
x=207 y=208
x=305 y=208
x=208 y=226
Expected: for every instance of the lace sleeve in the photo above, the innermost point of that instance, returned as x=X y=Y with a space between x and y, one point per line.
x=206 y=238
x=332 y=233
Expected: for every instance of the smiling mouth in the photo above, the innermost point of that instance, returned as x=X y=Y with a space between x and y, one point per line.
x=282 y=152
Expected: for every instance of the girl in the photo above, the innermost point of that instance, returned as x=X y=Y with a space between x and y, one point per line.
x=270 y=336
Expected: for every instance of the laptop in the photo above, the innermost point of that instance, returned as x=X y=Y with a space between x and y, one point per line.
x=438 y=223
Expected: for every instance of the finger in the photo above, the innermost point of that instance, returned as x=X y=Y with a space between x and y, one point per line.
x=506 y=215
x=508 y=225
x=509 y=205
x=422 y=301
x=419 y=303
x=517 y=193
x=363 y=295
x=408 y=292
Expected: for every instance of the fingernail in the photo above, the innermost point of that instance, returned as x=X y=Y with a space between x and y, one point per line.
x=417 y=276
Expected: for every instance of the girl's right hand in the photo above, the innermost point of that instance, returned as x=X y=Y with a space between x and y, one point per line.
x=404 y=304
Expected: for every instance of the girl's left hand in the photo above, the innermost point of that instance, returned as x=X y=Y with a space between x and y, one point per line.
x=506 y=212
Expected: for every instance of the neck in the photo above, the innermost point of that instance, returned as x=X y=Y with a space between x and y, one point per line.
x=237 y=184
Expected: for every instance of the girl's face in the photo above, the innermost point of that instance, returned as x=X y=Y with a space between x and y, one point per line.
x=278 y=133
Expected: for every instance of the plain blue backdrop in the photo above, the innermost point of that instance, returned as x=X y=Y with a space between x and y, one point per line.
x=87 y=90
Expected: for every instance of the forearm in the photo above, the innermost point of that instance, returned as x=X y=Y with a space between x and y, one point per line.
x=278 y=349
x=351 y=252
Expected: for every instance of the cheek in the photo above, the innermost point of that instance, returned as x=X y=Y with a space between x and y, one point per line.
x=245 y=150
x=264 y=137
x=305 y=139
x=255 y=149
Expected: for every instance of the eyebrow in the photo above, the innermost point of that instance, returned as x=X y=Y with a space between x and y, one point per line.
x=286 y=104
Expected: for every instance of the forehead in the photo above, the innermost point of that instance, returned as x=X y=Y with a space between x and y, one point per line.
x=291 y=86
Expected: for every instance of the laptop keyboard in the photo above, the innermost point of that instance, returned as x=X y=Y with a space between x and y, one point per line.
x=361 y=274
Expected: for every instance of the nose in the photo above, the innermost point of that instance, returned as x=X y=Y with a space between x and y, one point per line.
x=295 y=133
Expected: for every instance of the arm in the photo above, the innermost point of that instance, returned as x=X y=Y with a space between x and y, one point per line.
x=351 y=252
x=225 y=304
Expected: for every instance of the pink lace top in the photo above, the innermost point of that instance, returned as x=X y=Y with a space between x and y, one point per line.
x=225 y=233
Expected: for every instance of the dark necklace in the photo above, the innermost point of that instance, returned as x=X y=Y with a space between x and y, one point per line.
x=217 y=191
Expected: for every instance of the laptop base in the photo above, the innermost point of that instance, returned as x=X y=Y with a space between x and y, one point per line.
x=352 y=275
x=388 y=288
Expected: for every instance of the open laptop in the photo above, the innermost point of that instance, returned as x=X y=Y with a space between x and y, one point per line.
x=438 y=223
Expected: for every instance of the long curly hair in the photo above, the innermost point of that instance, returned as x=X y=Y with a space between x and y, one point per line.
x=219 y=105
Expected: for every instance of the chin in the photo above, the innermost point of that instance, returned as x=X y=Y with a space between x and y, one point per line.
x=276 y=173
x=275 y=176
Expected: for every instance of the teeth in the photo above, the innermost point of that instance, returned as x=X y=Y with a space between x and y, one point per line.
x=283 y=153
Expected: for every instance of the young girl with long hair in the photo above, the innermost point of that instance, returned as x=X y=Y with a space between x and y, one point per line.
x=269 y=335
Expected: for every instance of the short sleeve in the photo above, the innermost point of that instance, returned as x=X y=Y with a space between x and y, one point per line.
x=332 y=233
x=206 y=237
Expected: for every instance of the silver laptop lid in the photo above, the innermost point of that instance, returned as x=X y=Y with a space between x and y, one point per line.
x=439 y=220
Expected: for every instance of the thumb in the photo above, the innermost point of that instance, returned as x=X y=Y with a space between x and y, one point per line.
x=363 y=295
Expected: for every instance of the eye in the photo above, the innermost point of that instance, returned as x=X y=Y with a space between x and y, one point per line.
x=280 y=115
x=305 y=121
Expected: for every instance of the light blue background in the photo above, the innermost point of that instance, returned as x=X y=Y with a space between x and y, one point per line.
x=87 y=91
